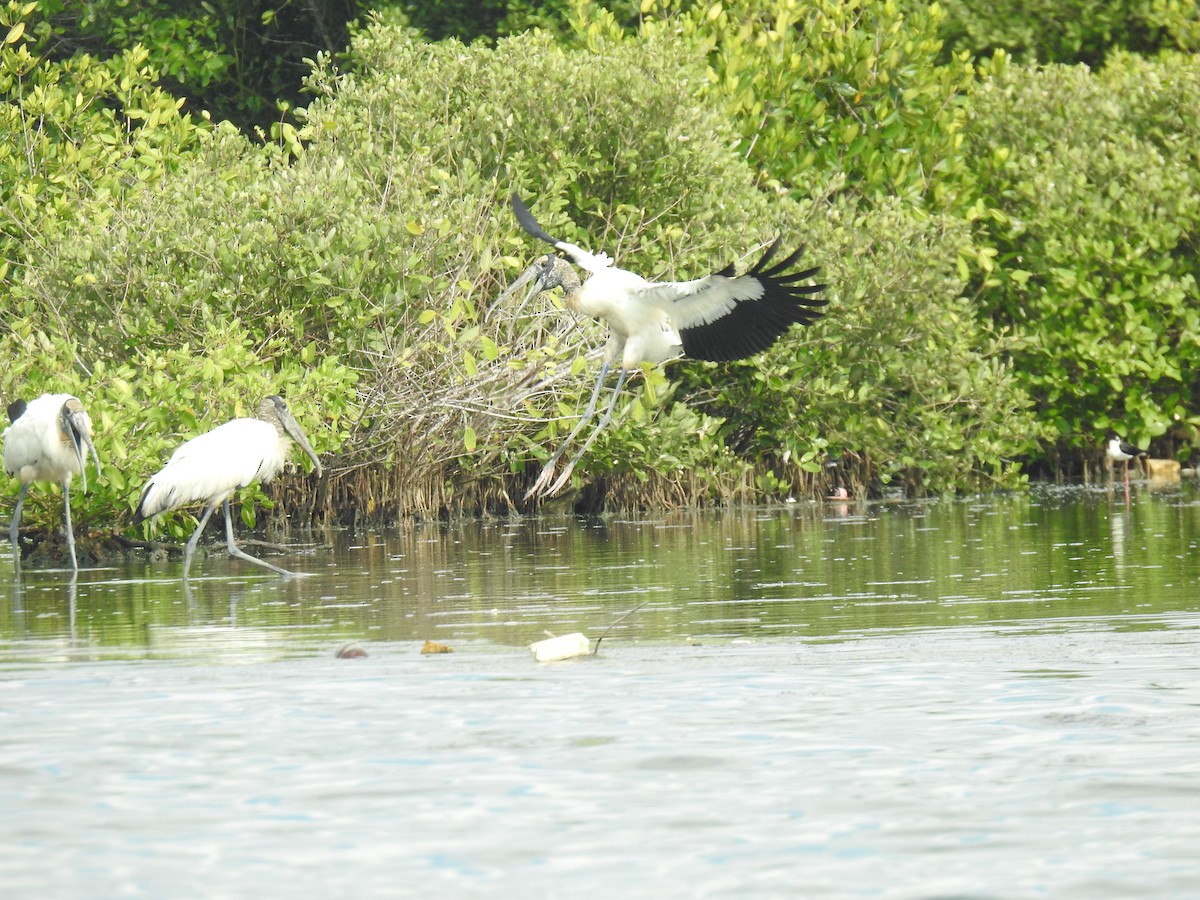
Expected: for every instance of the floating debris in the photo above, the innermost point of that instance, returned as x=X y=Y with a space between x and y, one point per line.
x=1163 y=469
x=435 y=647
x=567 y=646
x=350 y=650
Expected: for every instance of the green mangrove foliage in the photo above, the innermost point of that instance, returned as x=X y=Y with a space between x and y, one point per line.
x=81 y=129
x=236 y=59
x=990 y=232
x=143 y=407
x=1070 y=31
x=905 y=386
x=1078 y=186
x=91 y=151
x=1096 y=195
x=820 y=87
x=624 y=165
x=379 y=239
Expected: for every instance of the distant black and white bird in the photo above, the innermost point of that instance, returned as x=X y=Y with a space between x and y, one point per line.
x=211 y=467
x=46 y=442
x=720 y=317
x=1122 y=452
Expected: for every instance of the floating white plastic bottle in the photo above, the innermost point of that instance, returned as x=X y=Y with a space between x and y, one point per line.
x=563 y=647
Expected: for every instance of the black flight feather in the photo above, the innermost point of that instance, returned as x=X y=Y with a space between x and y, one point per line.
x=752 y=326
x=526 y=220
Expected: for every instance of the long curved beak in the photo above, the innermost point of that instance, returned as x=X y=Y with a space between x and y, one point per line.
x=292 y=427
x=79 y=427
x=529 y=275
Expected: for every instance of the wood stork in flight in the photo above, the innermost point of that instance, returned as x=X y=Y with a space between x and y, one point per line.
x=212 y=466
x=45 y=442
x=720 y=317
x=1122 y=452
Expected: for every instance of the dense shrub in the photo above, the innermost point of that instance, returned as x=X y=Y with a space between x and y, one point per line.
x=601 y=142
x=83 y=129
x=1097 y=194
x=819 y=88
x=1070 y=31
x=232 y=59
x=988 y=235
x=378 y=236
x=143 y=408
x=906 y=386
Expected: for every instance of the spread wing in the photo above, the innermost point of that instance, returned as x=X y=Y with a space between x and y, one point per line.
x=727 y=316
x=591 y=262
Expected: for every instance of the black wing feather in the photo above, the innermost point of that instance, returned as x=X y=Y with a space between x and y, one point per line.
x=752 y=326
x=526 y=220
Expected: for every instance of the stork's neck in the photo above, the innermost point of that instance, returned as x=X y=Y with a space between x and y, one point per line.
x=568 y=279
x=268 y=413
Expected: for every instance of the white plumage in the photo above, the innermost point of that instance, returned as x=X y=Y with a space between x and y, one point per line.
x=215 y=464
x=212 y=466
x=721 y=317
x=1122 y=452
x=46 y=442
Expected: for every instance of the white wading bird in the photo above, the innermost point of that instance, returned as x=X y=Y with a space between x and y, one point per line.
x=45 y=443
x=212 y=466
x=1122 y=452
x=720 y=317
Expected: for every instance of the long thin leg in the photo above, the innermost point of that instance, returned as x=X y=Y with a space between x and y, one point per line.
x=237 y=551
x=67 y=524
x=14 y=527
x=566 y=473
x=72 y=595
x=195 y=539
x=548 y=469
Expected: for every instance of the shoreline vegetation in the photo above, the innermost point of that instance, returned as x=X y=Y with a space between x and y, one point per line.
x=1006 y=210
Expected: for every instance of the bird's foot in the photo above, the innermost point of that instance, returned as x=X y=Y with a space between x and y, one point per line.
x=562 y=480
x=543 y=481
x=546 y=484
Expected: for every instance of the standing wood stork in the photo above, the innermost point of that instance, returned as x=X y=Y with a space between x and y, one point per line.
x=212 y=466
x=1122 y=452
x=720 y=317
x=45 y=442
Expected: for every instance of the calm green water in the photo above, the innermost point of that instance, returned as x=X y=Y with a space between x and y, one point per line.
x=993 y=698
